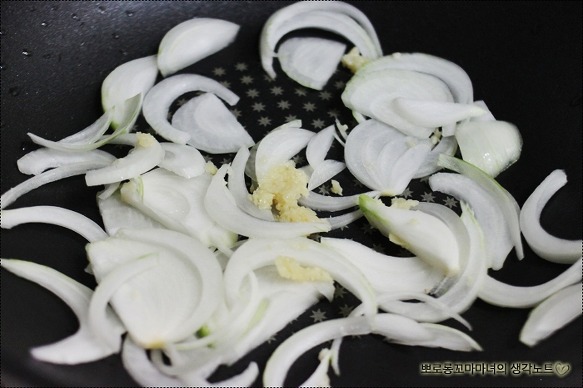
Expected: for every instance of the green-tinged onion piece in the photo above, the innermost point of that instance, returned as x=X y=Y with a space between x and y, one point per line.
x=132 y=78
x=423 y=234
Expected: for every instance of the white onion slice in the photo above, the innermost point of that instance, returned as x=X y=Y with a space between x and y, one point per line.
x=454 y=76
x=505 y=200
x=501 y=294
x=258 y=253
x=319 y=145
x=66 y=218
x=147 y=154
x=117 y=214
x=322 y=202
x=319 y=378
x=457 y=293
x=42 y=159
x=382 y=158
x=286 y=20
x=423 y=234
x=492 y=146
x=489 y=214
x=432 y=114
x=178 y=204
x=125 y=81
x=223 y=209
x=121 y=278
x=238 y=187
x=372 y=94
x=140 y=368
x=182 y=160
x=447 y=145
x=193 y=40
x=82 y=141
x=211 y=126
x=386 y=273
x=282 y=359
x=310 y=61
x=158 y=100
x=551 y=315
x=78 y=141
x=545 y=245
x=82 y=346
x=197 y=257
x=279 y=146
x=325 y=171
x=396 y=328
x=338 y=222
x=49 y=176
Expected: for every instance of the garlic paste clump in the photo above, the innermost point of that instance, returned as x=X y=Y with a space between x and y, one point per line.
x=280 y=189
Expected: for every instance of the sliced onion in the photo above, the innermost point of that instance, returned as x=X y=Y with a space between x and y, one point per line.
x=457 y=293
x=279 y=146
x=117 y=214
x=193 y=40
x=387 y=273
x=54 y=215
x=396 y=328
x=301 y=15
x=82 y=141
x=321 y=202
x=447 y=145
x=211 y=126
x=197 y=257
x=426 y=113
x=546 y=246
x=492 y=146
x=82 y=346
x=501 y=294
x=425 y=235
x=325 y=171
x=38 y=161
x=178 y=204
x=551 y=315
x=257 y=253
x=454 y=76
x=319 y=145
x=121 y=278
x=382 y=158
x=310 y=61
x=373 y=94
x=238 y=187
x=501 y=202
x=125 y=81
x=182 y=160
x=158 y=100
x=78 y=141
x=338 y=222
x=282 y=359
x=147 y=154
x=135 y=361
x=49 y=176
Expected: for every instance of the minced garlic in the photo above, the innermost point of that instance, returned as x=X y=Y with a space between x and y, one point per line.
x=289 y=268
x=280 y=189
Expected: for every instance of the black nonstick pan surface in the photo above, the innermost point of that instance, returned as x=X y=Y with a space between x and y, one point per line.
x=524 y=59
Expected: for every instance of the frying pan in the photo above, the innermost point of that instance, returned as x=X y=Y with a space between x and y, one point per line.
x=524 y=59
